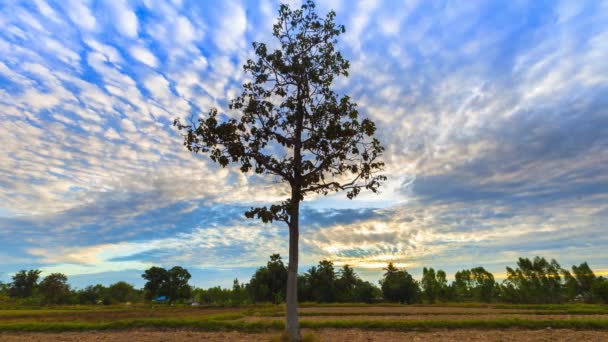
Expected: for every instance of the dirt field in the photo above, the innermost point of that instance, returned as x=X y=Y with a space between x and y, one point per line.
x=110 y=315
x=329 y=323
x=351 y=335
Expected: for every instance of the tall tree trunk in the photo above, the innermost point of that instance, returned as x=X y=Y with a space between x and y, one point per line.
x=291 y=317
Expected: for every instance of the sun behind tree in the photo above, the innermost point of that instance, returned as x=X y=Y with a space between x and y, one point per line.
x=295 y=127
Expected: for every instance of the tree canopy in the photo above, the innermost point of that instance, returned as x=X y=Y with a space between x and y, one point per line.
x=24 y=283
x=172 y=283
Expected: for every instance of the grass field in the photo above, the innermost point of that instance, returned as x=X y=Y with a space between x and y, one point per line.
x=327 y=322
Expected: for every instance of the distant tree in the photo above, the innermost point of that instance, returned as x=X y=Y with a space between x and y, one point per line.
x=390 y=269
x=346 y=284
x=475 y=284
x=304 y=288
x=239 y=293
x=269 y=282
x=434 y=284
x=324 y=282
x=293 y=126
x=54 y=289
x=277 y=273
x=24 y=283
x=157 y=279
x=399 y=286
x=584 y=277
x=122 y=292
x=365 y=292
x=259 y=288
x=172 y=283
x=533 y=281
x=484 y=285
x=91 y=294
x=213 y=296
x=580 y=282
x=463 y=285
x=600 y=289
x=177 y=287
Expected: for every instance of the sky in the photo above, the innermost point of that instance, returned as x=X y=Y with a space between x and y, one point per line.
x=494 y=115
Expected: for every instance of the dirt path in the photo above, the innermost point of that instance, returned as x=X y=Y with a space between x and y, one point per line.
x=351 y=335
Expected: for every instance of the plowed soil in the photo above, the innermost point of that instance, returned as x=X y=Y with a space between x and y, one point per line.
x=351 y=335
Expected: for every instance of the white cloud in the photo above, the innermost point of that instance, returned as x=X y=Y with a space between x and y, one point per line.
x=46 y=10
x=65 y=54
x=230 y=31
x=144 y=55
x=128 y=125
x=390 y=25
x=112 y=134
x=125 y=20
x=158 y=87
x=109 y=52
x=184 y=31
x=81 y=15
x=359 y=22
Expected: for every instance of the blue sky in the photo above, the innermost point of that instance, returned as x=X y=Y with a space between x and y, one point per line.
x=494 y=115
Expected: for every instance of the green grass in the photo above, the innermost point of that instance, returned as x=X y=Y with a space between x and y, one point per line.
x=121 y=317
x=164 y=323
x=219 y=325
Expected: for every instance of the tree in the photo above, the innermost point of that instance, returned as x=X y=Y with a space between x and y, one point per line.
x=346 y=284
x=177 y=285
x=533 y=281
x=365 y=292
x=600 y=289
x=390 y=269
x=121 y=292
x=268 y=283
x=294 y=127
x=172 y=283
x=91 y=294
x=462 y=285
x=399 y=286
x=214 y=295
x=324 y=282
x=484 y=285
x=157 y=278
x=259 y=288
x=434 y=284
x=239 y=292
x=24 y=283
x=277 y=273
x=475 y=284
x=580 y=282
x=54 y=288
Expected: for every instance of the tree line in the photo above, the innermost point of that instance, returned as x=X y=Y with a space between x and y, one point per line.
x=536 y=280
